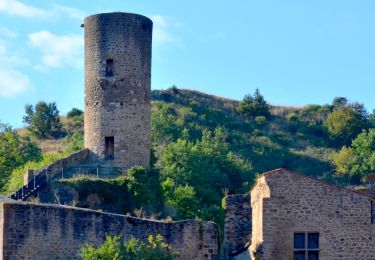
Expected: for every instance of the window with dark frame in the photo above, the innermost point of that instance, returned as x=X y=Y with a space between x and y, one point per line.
x=109 y=68
x=372 y=212
x=306 y=246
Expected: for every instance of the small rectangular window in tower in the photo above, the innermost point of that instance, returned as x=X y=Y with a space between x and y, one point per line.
x=372 y=212
x=109 y=68
x=109 y=148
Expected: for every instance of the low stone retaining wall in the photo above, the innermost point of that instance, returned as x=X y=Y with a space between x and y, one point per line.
x=46 y=231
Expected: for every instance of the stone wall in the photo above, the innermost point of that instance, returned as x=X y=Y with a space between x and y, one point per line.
x=36 y=180
x=297 y=203
x=75 y=159
x=118 y=105
x=237 y=224
x=45 y=231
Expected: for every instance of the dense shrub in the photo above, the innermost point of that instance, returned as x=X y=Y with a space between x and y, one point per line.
x=73 y=124
x=75 y=141
x=164 y=123
x=15 y=151
x=260 y=120
x=145 y=188
x=195 y=173
x=113 y=194
x=355 y=162
x=74 y=112
x=134 y=249
x=138 y=189
x=345 y=123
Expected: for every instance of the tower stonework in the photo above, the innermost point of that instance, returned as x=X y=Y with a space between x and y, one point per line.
x=118 y=88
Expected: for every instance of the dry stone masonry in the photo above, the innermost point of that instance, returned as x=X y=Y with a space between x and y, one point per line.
x=118 y=88
x=237 y=224
x=45 y=232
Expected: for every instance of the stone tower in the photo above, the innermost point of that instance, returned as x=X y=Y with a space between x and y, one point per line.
x=118 y=88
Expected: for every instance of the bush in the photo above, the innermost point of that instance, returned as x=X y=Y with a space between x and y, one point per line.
x=164 y=127
x=74 y=112
x=182 y=198
x=75 y=142
x=15 y=151
x=139 y=189
x=292 y=117
x=145 y=188
x=357 y=161
x=134 y=249
x=113 y=194
x=344 y=161
x=195 y=173
x=260 y=120
x=345 y=123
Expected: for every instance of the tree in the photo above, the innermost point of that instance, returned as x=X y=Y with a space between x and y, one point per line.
x=182 y=198
x=43 y=120
x=344 y=161
x=138 y=178
x=372 y=118
x=164 y=123
x=133 y=249
x=14 y=152
x=252 y=106
x=364 y=150
x=144 y=187
x=340 y=102
x=345 y=123
x=199 y=171
x=357 y=161
x=74 y=112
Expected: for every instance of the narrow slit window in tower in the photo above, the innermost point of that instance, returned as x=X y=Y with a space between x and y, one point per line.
x=109 y=148
x=109 y=68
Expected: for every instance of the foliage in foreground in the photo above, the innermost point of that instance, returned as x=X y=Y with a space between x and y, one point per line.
x=14 y=151
x=134 y=249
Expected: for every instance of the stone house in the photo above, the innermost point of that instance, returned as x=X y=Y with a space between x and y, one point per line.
x=293 y=216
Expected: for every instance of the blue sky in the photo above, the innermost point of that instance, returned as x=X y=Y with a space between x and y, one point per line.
x=296 y=51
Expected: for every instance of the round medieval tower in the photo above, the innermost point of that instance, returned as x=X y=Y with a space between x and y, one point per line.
x=118 y=88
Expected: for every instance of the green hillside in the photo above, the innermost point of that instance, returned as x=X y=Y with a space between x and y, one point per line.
x=292 y=137
x=206 y=146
